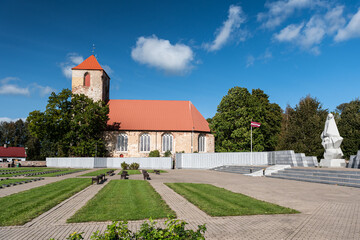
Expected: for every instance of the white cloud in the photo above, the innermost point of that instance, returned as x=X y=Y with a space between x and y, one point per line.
x=43 y=90
x=8 y=88
x=310 y=35
x=72 y=60
x=12 y=89
x=335 y=19
x=161 y=54
x=250 y=60
x=6 y=119
x=235 y=18
x=107 y=69
x=8 y=79
x=289 y=33
x=352 y=29
x=279 y=11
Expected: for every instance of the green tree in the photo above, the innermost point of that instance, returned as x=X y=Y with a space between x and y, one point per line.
x=302 y=127
x=349 y=127
x=13 y=134
x=71 y=125
x=231 y=123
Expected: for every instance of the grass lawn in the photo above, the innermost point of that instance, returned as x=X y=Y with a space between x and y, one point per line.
x=21 y=171
x=68 y=171
x=98 y=172
x=14 y=180
x=131 y=172
x=217 y=201
x=152 y=171
x=124 y=200
x=19 y=208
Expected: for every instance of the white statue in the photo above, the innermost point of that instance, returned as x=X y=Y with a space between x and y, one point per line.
x=331 y=141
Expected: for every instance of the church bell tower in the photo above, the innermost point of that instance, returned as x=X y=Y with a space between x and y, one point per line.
x=90 y=79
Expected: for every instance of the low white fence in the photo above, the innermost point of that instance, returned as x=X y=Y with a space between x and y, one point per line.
x=91 y=162
x=211 y=160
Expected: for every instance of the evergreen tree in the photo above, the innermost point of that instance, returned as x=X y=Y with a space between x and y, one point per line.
x=71 y=125
x=349 y=127
x=302 y=127
x=231 y=123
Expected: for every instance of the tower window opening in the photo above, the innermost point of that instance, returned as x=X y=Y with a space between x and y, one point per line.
x=87 y=79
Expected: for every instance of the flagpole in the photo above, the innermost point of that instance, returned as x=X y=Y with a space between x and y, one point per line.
x=251 y=161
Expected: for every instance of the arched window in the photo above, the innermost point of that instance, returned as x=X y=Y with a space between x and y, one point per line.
x=87 y=79
x=202 y=143
x=145 y=143
x=122 y=142
x=167 y=142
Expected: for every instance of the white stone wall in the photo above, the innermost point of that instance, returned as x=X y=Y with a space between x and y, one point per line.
x=182 y=141
x=91 y=162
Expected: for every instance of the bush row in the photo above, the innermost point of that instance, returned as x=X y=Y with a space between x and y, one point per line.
x=174 y=229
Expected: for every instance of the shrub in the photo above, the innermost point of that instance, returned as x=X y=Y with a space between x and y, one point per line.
x=175 y=229
x=154 y=153
x=134 y=166
x=167 y=153
x=124 y=165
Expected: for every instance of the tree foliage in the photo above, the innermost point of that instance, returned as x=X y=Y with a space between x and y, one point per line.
x=349 y=127
x=231 y=123
x=71 y=125
x=302 y=127
x=13 y=134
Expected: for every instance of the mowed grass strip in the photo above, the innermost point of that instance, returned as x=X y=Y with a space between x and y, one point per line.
x=26 y=171
x=67 y=171
x=217 y=201
x=98 y=172
x=14 y=180
x=152 y=171
x=131 y=172
x=124 y=200
x=19 y=208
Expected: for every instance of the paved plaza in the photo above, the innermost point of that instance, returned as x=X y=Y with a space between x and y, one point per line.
x=327 y=211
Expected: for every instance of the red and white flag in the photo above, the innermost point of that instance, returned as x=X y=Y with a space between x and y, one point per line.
x=255 y=124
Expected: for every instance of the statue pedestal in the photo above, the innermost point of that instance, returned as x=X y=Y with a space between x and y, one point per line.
x=333 y=163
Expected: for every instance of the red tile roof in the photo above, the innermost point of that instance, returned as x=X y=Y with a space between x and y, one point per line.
x=89 y=64
x=12 y=152
x=156 y=115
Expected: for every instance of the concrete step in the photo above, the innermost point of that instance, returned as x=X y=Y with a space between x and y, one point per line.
x=354 y=172
x=347 y=184
x=238 y=169
x=320 y=174
x=332 y=179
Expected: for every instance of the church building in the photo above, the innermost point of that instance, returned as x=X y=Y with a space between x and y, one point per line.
x=143 y=125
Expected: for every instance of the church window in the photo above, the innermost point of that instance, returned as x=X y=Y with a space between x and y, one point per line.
x=87 y=79
x=145 y=143
x=167 y=142
x=122 y=142
x=202 y=143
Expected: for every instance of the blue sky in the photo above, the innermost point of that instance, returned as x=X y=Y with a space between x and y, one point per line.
x=181 y=50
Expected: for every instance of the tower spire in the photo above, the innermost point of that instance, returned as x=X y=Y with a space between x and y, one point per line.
x=93 y=50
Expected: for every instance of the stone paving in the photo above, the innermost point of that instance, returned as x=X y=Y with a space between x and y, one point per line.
x=327 y=211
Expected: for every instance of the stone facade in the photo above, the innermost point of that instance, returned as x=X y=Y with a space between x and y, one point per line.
x=99 y=84
x=182 y=141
